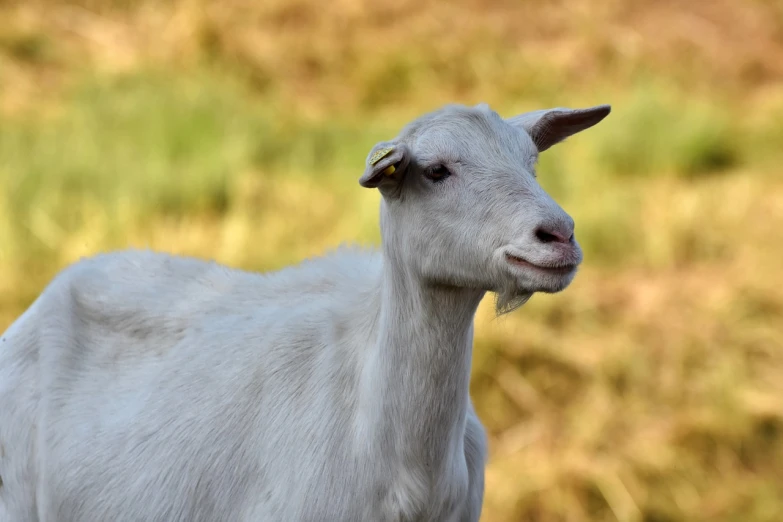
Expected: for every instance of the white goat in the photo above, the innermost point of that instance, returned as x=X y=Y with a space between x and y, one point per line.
x=145 y=387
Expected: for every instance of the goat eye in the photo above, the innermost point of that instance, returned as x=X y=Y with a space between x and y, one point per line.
x=438 y=173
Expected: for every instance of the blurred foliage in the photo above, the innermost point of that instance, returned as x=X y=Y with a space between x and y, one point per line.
x=651 y=390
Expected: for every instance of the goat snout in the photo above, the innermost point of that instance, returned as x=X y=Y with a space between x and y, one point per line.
x=560 y=231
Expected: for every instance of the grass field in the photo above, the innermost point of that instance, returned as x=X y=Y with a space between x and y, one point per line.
x=651 y=390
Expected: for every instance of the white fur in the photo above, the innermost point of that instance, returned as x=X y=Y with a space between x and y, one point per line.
x=145 y=387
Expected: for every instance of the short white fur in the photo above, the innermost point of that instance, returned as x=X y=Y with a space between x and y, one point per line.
x=141 y=386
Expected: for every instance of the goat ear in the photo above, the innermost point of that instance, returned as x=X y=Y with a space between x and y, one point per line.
x=385 y=165
x=550 y=126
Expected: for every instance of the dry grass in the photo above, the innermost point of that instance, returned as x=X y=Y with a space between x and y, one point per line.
x=651 y=390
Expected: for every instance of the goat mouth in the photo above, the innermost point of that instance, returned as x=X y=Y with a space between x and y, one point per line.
x=557 y=269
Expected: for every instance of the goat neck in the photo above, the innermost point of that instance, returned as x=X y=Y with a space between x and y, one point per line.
x=415 y=385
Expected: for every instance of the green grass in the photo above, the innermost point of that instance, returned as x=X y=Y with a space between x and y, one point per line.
x=655 y=132
x=149 y=145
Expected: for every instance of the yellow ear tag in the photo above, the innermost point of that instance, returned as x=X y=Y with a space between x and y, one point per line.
x=388 y=171
x=379 y=155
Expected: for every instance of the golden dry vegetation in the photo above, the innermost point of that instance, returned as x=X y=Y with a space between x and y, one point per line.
x=651 y=390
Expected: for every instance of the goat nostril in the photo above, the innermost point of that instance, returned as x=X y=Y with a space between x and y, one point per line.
x=545 y=237
x=554 y=236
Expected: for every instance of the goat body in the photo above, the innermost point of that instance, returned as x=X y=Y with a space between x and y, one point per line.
x=156 y=388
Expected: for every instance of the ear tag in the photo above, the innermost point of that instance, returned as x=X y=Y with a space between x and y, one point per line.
x=379 y=155
x=388 y=171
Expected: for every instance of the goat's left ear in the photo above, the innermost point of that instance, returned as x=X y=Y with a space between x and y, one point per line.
x=550 y=126
x=385 y=165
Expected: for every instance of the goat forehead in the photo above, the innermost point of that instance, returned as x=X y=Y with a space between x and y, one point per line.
x=470 y=135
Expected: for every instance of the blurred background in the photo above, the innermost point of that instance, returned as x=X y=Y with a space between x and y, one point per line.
x=651 y=390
